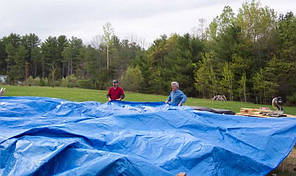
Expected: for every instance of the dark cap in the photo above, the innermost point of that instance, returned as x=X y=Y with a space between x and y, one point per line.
x=115 y=81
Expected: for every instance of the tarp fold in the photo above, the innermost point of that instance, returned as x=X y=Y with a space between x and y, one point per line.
x=50 y=136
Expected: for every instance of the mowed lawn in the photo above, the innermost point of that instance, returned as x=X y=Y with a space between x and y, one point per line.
x=77 y=94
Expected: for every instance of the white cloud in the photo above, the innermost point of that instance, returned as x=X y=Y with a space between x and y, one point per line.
x=146 y=19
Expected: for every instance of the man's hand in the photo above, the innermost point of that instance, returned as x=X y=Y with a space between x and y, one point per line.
x=181 y=174
x=119 y=99
x=180 y=104
x=166 y=101
x=109 y=99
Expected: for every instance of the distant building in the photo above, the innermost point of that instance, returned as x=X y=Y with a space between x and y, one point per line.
x=3 y=78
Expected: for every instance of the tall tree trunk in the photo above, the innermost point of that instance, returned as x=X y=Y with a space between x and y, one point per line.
x=63 y=71
x=43 y=71
x=107 y=57
x=69 y=69
x=71 y=66
x=35 y=69
x=245 y=94
x=53 y=70
x=26 y=72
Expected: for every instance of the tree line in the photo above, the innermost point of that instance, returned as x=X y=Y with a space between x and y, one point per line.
x=67 y=62
x=248 y=56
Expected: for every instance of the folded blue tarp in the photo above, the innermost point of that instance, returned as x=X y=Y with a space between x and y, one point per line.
x=48 y=136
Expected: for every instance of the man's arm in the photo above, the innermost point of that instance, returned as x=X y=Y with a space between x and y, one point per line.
x=109 y=95
x=168 y=99
x=184 y=98
x=122 y=96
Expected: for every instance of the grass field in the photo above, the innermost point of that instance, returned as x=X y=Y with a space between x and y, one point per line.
x=76 y=94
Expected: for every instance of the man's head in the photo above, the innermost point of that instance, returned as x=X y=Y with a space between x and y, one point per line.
x=175 y=85
x=115 y=83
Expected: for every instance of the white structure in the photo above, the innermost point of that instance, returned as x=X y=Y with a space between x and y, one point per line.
x=3 y=78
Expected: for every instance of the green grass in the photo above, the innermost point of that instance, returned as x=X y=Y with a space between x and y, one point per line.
x=76 y=94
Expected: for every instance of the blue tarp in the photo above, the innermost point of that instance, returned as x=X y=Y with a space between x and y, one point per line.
x=49 y=136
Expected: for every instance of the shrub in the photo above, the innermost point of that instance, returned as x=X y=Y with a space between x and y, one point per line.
x=85 y=84
x=292 y=99
x=69 y=81
x=43 y=82
x=57 y=83
x=36 y=81
x=63 y=82
x=33 y=81
x=132 y=79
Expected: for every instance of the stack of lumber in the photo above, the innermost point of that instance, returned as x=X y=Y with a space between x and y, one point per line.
x=262 y=112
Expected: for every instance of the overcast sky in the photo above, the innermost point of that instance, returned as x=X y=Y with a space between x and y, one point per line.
x=146 y=19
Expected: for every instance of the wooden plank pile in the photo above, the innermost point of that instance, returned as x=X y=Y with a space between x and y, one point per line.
x=262 y=112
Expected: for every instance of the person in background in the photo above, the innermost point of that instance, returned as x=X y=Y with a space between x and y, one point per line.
x=176 y=97
x=115 y=92
x=2 y=92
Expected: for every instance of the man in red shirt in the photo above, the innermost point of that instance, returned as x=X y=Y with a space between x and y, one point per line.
x=115 y=92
